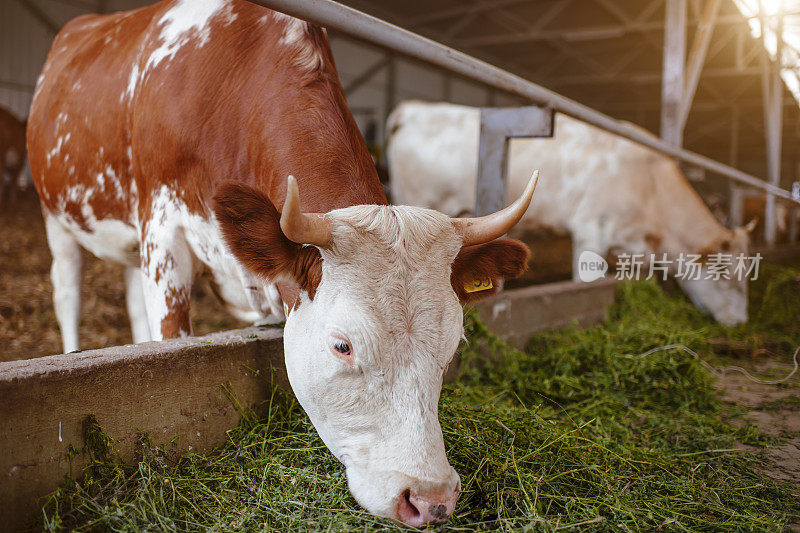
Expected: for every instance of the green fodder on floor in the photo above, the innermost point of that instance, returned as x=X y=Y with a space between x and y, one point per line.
x=565 y=433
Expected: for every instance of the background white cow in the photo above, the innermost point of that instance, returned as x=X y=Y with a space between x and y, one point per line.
x=610 y=194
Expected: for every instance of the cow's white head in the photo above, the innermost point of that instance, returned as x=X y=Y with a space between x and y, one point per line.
x=724 y=299
x=376 y=323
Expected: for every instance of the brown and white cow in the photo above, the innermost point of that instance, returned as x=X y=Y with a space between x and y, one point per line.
x=163 y=139
x=12 y=155
x=609 y=193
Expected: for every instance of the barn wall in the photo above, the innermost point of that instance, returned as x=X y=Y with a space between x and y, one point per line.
x=24 y=42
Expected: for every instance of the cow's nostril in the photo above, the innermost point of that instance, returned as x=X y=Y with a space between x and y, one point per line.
x=408 y=511
x=438 y=512
x=419 y=510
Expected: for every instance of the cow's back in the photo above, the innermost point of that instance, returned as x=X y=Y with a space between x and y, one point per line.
x=78 y=140
x=587 y=174
x=433 y=156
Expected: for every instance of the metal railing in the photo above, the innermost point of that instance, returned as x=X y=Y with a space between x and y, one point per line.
x=339 y=17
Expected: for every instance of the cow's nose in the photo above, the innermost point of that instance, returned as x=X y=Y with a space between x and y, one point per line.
x=418 y=509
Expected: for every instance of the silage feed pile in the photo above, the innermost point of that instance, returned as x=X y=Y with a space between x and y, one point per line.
x=564 y=434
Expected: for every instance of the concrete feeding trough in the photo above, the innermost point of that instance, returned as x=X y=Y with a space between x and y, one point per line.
x=181 y=388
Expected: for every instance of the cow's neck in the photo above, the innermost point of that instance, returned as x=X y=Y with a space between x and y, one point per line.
x=303 y=127
x=691 y=223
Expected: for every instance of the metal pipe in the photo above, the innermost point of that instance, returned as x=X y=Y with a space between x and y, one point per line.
x=330 y=14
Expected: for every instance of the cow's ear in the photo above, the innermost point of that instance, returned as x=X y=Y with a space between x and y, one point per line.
x=251 y=227
x=478 y=269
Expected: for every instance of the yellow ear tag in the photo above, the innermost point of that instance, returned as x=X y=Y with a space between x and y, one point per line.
x=477 y=285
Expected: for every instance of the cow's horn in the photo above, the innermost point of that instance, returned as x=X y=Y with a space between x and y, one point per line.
x=487 y=228
x=303 y=228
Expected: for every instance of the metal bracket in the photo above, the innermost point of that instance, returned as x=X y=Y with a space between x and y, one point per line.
x=498 y=125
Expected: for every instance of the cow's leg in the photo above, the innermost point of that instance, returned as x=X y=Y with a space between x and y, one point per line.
x=588 y=238
x=167 y=266
x=66 y=273
x=134 y=296
x=262 y=298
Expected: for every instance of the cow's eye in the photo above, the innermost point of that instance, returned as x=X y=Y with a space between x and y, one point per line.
x=340 y=347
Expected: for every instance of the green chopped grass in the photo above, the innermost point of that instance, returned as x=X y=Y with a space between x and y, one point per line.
x=565 y=434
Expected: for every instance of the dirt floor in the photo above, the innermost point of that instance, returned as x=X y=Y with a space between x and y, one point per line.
x=28 y=326
x=774 y=409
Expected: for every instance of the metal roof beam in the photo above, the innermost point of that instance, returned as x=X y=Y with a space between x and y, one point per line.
x=582 y=34
x=645 y=77
x=697 y=56
x=451 y=13
x=39 y=15
x=367 y=74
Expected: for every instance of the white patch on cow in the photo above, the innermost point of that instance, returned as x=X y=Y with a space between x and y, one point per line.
x=55 y=150
x=133 y=79
x=179 y=243
x=40 y=80
x=166 y=264
x=295 y=35
x=187 y=20
x=108 y=239
x=60 y=123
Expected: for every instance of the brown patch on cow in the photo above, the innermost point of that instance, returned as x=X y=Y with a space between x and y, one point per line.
x=498 y=260
x=289 y=292
x=715 y=247
x=164 y=267
x=653 y=241
x=251 y=226
x=176 y=323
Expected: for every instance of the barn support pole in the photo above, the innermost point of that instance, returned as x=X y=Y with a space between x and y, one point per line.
x=391 y=86
x=773 y=120
x=390 y=98
x=672 y=80
x=735 y=196
x=491 y=97
x=498 y=125
x=447 y=88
